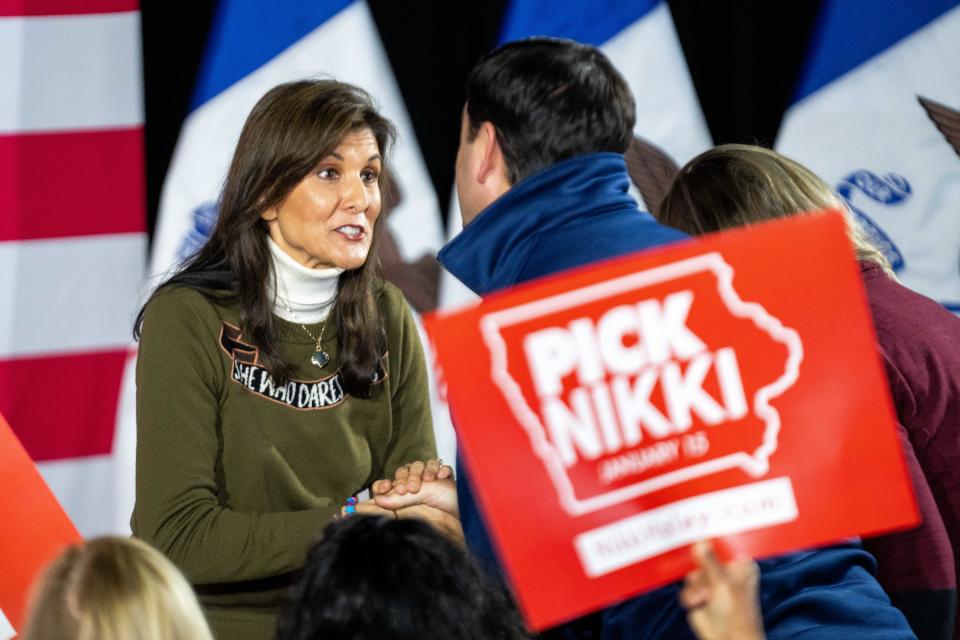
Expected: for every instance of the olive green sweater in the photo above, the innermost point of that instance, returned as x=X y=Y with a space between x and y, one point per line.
x=237 y=475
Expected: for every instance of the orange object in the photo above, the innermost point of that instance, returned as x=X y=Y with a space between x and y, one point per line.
x=35 y=528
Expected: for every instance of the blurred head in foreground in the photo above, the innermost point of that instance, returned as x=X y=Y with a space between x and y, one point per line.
x=735 y=185
x=114 y=589
x=373 y=578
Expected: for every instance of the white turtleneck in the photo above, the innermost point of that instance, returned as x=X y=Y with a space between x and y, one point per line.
x=309 y=293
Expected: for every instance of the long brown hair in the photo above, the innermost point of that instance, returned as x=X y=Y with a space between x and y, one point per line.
x=735 y=184
x=290 y=130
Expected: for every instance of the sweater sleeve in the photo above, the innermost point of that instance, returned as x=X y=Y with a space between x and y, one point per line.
x=412 y=436
x=178 y=508
x=828 y=593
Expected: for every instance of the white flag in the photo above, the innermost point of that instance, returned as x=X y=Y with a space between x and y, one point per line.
x=871 y=117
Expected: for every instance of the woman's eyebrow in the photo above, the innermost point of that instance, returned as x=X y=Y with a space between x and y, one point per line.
x=336 y=155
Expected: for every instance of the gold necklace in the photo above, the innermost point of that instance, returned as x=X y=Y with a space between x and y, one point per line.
x=320 y=358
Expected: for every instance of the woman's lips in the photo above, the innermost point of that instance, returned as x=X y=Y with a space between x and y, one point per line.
x=351 y=232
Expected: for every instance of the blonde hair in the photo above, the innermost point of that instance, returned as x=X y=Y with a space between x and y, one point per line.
x=114 y=589
x=735 y=184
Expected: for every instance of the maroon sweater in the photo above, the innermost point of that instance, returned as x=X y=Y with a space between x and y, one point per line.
x=919 y=342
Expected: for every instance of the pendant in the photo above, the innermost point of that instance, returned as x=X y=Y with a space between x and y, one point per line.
x=320 y=358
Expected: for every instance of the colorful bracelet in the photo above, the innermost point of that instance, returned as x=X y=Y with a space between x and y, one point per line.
x=350 y=507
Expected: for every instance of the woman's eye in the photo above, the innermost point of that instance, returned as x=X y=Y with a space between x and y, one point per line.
x=327 y=174
x=370 y=176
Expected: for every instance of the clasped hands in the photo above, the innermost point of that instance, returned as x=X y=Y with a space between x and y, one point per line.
x=423 y=490
x=721 y=599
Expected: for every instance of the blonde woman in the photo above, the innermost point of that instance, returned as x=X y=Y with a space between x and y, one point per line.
x=114 y=589
x=918 y=340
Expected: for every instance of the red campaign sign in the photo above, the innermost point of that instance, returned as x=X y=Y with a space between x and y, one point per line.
x=35 y=529
x=722 y=388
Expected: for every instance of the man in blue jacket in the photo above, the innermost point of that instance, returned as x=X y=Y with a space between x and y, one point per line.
x=543 y=187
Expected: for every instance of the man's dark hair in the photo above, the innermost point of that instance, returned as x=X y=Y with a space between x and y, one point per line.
x=550 y=100
x=372 y=578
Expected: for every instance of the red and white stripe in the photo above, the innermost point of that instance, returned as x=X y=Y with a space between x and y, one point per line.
x=72 y=235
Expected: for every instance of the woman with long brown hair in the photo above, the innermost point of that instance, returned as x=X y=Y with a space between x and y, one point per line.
x=278 y=375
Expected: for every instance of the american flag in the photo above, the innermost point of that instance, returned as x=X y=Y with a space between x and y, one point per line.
x=72 y=235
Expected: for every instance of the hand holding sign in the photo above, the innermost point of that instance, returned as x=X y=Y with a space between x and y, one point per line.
x=722 y=600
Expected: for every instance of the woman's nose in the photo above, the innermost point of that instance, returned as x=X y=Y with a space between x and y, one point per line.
x=354 y=195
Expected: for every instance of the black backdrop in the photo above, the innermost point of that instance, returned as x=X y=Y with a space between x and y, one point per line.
x=744 y=57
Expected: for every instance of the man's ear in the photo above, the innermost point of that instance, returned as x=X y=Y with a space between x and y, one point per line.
x=492 y=163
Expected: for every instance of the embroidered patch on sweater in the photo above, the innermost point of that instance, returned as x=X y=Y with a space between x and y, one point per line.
x=323 y=393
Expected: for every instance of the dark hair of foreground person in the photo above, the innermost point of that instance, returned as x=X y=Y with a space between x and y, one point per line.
x=375 y=578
